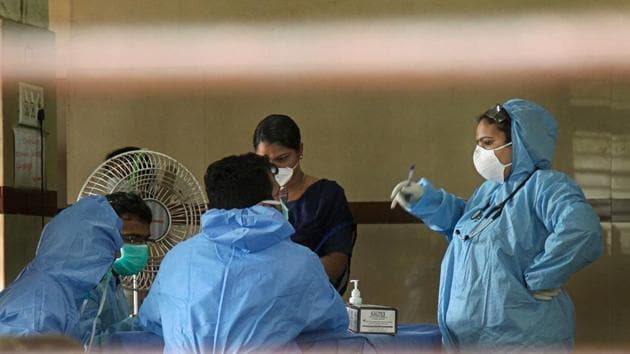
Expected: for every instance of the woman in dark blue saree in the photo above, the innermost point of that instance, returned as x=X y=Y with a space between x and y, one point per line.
x=317 y=207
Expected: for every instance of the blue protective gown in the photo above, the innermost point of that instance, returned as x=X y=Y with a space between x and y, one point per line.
x=115 y=309
x=544 y=234
x=240 y=285
x=76 y=249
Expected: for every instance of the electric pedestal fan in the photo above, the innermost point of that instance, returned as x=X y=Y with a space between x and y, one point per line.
x=169 y=189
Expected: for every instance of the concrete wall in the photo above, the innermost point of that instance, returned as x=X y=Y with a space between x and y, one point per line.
x=32 y=12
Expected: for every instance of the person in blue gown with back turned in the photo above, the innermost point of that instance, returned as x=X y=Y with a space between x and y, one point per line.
x=241 y=284
x=97 y=321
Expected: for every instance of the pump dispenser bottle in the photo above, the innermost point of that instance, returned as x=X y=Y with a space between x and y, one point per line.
x=355 y=296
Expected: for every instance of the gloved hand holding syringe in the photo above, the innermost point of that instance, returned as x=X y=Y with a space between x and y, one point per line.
x=406 y=192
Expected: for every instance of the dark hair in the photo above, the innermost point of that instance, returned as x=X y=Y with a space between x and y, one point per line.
x=237 y=182
x=278 y=129
x=121 y=151
x=131 y=204
x=504 y=126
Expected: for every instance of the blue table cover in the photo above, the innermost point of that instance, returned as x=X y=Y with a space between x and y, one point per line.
x=410 y=338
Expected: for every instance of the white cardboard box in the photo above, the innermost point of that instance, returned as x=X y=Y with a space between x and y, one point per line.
x=372 y=319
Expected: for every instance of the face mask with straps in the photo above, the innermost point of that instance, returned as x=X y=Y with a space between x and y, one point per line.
x=284 y=175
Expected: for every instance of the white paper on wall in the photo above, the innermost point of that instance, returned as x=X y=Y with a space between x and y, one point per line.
x=27 y=166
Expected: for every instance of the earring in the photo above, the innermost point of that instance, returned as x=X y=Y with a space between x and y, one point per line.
x=301 y=156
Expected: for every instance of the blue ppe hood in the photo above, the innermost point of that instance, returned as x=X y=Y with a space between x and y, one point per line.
x=251 y=229
x=534 y=132
x=241 y=285
x=76 y=249
x=78 y=246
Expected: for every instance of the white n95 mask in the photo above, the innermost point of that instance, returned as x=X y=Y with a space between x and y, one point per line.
x=284 y=175
x=488 y=165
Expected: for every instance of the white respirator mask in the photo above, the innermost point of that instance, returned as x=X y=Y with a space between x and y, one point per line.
x=284 y=175
x=488 y=165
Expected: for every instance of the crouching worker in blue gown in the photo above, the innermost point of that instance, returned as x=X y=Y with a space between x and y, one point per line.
x=241 y=284
x=515 y=243
x=106 y=310
x=76 y=250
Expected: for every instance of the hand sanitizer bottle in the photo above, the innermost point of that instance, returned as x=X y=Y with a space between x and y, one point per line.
x=355 y=296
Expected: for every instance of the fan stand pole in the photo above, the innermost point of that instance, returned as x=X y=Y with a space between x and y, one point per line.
x=135 y=295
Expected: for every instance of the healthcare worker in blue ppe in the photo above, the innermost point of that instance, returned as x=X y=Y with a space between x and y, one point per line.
x=105 y=309
x=76 y=249
x=241 y=284
x=514 y=244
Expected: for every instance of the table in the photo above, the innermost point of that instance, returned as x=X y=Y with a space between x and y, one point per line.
x=410 y=338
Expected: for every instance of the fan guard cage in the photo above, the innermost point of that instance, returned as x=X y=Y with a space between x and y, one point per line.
x=168 y=188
